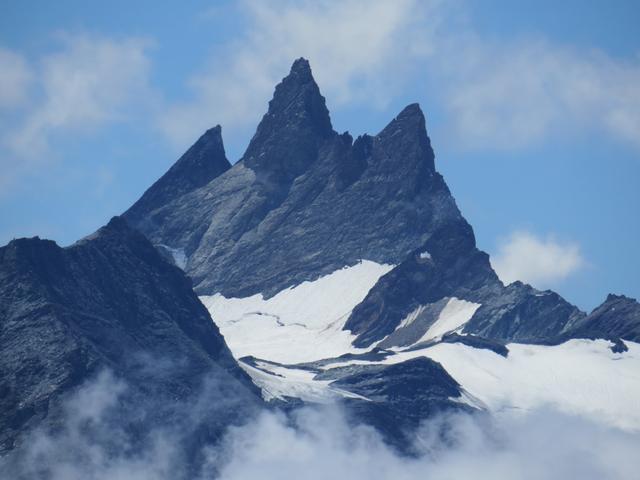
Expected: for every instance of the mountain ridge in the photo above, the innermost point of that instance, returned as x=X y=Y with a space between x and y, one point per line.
x=255 y=211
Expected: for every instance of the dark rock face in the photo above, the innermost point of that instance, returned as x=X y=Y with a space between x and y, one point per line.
x=305 y=201
x=451 y=267
x=291 y=133
x=523 y=314
x=398 y=397
x=410 y=381
x=477 y=342
x=107 y=302
x=618 y=318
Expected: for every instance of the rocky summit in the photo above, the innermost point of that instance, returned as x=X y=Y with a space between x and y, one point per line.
x=304 y=201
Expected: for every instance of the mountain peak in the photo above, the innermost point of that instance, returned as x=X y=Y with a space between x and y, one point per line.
x=410 y=120
x=212 y=134
x=406 y=135
x=117 y=232
x=298 y=95
x=296 y=123
x=618 y=317
x=301 y=67
x=612 y=297
x=204 y=161
x=412 y=111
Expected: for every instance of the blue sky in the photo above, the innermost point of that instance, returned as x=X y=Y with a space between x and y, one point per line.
x=533 y=109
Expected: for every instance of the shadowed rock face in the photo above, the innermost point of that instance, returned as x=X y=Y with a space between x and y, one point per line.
x=292 y=131
x=399 y=397
x=107 y=302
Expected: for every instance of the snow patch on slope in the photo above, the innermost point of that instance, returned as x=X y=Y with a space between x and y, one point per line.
x=300 y=324
x=452 y=317
x=278 y=382
x=179 y=257
x=409 y=319
x=579 y=377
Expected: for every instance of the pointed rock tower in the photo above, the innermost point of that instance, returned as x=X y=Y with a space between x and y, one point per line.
x=303 y=201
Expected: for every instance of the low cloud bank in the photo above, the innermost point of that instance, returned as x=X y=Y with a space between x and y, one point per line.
x=542 y=444
x=319 y=443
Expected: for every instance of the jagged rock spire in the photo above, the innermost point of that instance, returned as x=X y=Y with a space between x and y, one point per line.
x=406 y=136
x=297 y=121
x=204 y=161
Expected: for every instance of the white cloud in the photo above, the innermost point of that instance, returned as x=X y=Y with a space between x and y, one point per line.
x=540 y=261
x=89 y=82
x=358 y=51
x=513 y=95
x=15 y=79
x=538 y=444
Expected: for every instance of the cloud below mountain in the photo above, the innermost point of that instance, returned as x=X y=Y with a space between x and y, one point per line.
x=541 y=444
x=320 y=443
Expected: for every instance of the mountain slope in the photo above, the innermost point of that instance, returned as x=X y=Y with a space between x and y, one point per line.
x=107 y=302
x=324 y=260
x=304 y=202
x=419 y=288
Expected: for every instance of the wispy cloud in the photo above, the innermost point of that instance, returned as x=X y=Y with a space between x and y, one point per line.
x=90 y=81
x=359 y=51
x=514 y=95
x=532 y=259
x=540 y=444
x=496 y=94
x=16 y=76
x=86 y=83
